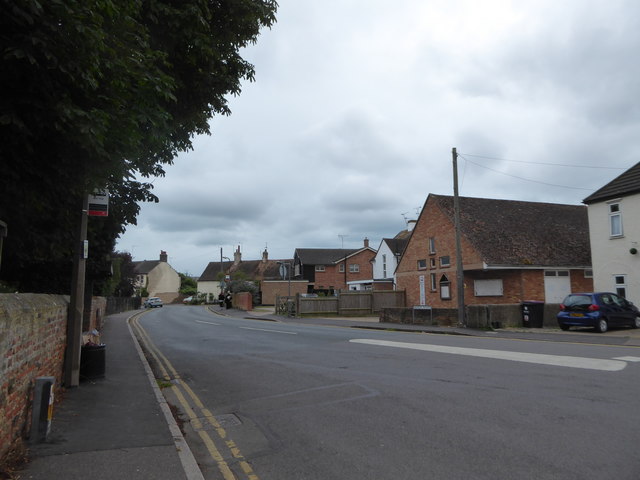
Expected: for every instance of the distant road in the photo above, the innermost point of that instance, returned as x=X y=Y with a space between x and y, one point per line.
x=274 y=401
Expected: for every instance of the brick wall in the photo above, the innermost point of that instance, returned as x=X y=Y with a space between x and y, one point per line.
x=32 y=343
x=274 y=288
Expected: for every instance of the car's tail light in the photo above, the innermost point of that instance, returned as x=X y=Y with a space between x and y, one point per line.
x=593 y=308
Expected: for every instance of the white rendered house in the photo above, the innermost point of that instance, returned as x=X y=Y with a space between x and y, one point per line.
x=614 y=232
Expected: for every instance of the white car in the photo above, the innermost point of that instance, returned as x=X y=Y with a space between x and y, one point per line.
x=153 y=302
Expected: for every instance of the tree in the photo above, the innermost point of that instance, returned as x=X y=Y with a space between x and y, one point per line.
x=120 y=280
x=188 y=286
x=100 y=94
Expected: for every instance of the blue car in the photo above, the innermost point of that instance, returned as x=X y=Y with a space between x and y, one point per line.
x=599 y=310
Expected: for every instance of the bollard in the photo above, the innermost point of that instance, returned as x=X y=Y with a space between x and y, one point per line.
x=42 y=409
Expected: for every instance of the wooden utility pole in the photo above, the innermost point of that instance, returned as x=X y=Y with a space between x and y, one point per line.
x=76 y=304
x=459 y=272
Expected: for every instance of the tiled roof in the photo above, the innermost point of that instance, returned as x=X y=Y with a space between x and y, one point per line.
x=253 y=269
x=516 y=233
x=396 y=245
x=626 y=184
x=323 y=256
x=143 y=267
x=210 y=273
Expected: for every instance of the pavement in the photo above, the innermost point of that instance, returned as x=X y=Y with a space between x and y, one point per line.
x=120 y=426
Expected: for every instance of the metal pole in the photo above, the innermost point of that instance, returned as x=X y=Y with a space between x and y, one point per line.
x=76 y=304
x=459 y=271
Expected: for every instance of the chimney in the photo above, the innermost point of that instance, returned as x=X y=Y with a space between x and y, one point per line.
x=265 y=256
x=163 y=256
x=237 y=256
x=410 y=225
x=366 y=242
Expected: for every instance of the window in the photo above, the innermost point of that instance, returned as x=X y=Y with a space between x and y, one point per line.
x=588 y=273
x=354 y=268
x=384 y=266
x=445 y=288
x=615 y=220
x=422 y=264
x=341 y=268
x=319 y=268
x=488 y=288
x=432 y=245
x=621 y=285
x=444 y=261
x=432 y=262
x=556 y=273
x=432 y=282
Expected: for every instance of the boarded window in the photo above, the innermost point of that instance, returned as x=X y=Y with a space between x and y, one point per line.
x=488 y=288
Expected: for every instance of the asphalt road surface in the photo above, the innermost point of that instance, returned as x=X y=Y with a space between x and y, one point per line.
x=273 y=401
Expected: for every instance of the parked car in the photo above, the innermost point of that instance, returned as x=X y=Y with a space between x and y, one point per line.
x=153 y=302
x=599 y=310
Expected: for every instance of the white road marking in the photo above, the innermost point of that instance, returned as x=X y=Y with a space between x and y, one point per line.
x=537 y=358
x=208 y=323
x=270 y=331
x=628 y=359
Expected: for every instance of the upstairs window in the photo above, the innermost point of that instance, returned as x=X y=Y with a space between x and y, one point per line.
x=319 y=268
x=341 y=268
x=445 y=261
x=422 y=264
x=354 y=268
x=615 y=220
x=432 y=245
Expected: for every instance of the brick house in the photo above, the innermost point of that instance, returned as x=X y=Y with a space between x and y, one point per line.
x=332 y=269
x=614 y=228
x=512 y=251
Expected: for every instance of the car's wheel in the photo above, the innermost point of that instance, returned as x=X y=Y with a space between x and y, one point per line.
x=564 y=327
x=636 y=323
x=602 y=325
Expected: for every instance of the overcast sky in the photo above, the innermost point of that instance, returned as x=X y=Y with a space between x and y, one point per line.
x=357 y=105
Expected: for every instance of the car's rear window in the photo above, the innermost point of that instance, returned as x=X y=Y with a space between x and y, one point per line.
x=577 y=300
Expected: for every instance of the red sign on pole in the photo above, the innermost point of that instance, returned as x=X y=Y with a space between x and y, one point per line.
x=99 y=204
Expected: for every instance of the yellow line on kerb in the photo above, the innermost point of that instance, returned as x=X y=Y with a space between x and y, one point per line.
x=194 y=418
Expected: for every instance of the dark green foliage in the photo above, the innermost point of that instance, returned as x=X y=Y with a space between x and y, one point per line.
x=98 y=93
x=188 y=286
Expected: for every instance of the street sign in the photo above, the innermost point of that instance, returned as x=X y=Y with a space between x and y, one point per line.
x=99 y=204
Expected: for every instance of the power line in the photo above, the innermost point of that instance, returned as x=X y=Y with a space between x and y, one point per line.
x=539 y=163
x=526 y=179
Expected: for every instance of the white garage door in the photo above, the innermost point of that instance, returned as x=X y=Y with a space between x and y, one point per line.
x=557 y=285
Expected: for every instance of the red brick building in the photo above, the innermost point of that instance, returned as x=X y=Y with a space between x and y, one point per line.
x=332 y=269
x=512 y=251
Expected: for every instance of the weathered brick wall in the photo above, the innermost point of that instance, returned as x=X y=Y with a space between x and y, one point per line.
x=32 y=343
x=274 y=288
x=243 y=301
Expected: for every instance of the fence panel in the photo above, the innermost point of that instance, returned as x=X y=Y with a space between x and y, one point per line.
x=355 y=303
x=388 y=299
x=317 y=306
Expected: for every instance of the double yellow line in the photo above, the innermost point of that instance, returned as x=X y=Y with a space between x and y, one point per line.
x=196 y=413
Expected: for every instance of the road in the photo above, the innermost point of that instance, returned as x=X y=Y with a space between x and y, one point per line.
x=275 y=401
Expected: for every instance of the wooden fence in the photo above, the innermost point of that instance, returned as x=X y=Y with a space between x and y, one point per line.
x=352 y=303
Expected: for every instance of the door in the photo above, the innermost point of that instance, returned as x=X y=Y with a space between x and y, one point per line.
x=557 y=285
